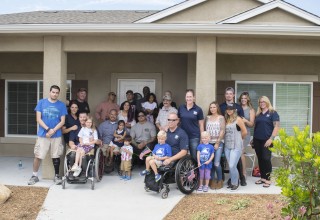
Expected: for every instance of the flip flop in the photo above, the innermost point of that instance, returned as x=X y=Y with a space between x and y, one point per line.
x=260 y=181
x=266 y=185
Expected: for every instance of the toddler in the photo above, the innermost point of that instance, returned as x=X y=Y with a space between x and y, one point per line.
x=126 y=156
x=117 y=141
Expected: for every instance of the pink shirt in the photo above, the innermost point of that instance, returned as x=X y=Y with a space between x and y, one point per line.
x=103 y=109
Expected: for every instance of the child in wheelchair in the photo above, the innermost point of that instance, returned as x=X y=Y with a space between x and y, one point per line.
x=126 y=157
x=205 y=155
x=87 y=138
x=161 y=152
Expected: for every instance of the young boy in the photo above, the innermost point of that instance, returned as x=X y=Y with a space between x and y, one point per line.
x=126 y=156
x=161 y=152
x=205 y=155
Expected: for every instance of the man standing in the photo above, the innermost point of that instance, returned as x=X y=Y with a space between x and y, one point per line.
x=83 y=105
x=146 y=92
x=103 y=109
x=177 y=138
x=162 y=119
x=50 y=114
x=229 y=97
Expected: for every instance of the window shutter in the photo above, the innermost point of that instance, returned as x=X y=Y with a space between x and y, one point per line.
x=2 y=104
x=316 y=107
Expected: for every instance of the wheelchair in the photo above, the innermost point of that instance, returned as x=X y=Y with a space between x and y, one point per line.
x=183 y=172
x=92 y=168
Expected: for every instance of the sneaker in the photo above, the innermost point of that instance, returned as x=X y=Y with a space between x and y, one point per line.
x=157 y=177
x=77 y=172
x=33 y=180
x=144 y=172
x=243 y=181
x=205 y=188
x=57 y=180
x=234 y=187
x=74 y=167
x=200 y=188
x=123 y=177
x=127 y=178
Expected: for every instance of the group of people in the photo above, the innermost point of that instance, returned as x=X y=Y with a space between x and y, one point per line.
x=131 y=128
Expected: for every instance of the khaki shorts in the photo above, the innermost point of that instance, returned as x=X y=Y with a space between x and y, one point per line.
x=125 y=165
x=159 y=163
x=43 y=145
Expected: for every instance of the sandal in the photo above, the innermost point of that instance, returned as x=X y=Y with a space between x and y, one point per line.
x=200 y=188
x=260 y=181
x=267 y=184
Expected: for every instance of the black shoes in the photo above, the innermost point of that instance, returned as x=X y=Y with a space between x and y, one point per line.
x=243 y=181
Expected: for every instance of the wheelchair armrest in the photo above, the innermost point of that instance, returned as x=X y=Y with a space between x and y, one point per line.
x=167 y=167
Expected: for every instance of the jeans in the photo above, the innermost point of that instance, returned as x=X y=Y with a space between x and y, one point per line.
x=193 y=145
x=216 y=168
x=233 y=156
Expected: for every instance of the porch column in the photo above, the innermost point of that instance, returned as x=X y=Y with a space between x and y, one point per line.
x=206 y=71
x=54 y=73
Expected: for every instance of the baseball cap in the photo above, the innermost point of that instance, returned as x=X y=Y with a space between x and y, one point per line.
x=167 y=97
x=231 y=106
x=112 y=93
x=129 y=91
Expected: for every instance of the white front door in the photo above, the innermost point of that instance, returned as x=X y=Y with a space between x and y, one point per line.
x=136 y=85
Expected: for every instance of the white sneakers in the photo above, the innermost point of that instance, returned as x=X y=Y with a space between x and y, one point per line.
x=76 y=169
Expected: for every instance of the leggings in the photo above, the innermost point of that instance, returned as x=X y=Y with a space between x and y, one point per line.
x=205 y=174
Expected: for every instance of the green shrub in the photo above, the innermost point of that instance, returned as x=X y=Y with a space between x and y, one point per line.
x=299 y=178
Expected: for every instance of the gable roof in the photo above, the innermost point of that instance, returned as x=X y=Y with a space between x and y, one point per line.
x=268 y=7
x=175 y=9
x=75 y=17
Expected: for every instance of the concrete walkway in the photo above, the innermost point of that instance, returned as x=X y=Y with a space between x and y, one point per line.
x=112 y=198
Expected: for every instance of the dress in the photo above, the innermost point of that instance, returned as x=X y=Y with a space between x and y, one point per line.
x=86 y=134
x=117 y=141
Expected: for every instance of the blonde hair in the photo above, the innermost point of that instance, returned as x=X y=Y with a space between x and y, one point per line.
x=93 y=126
x=231 y=118
x=205 y=134
x=268 y=103
x=162 y=134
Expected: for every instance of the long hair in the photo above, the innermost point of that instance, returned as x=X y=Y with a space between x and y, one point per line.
x=69 y=108
x=217 y=106
x=93 y=126
x=268 y=103
x=248 y=99
x=130 y=111
x=231 y=118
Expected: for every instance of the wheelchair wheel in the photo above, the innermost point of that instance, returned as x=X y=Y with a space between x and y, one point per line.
x=185 y=184
x=99 y=165
x=63 y=183
x=164 y=195
x=92 y=184
x=65 y=165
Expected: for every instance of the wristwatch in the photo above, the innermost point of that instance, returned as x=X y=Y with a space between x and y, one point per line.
x=48 y=129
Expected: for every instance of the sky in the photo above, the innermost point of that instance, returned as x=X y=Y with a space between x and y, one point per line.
x=15 y=6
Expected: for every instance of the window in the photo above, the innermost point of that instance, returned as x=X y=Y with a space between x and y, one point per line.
x=22 y=98
x=292 y=101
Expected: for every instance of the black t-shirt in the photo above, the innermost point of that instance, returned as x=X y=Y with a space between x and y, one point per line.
x=82 y=106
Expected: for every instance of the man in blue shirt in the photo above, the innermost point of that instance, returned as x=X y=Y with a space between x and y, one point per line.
x=50 y=114
x=177 y=138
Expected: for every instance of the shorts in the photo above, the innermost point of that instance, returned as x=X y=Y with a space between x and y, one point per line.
x=159 y=163
x=43 y=145
x=125 y=165
x=116 y=147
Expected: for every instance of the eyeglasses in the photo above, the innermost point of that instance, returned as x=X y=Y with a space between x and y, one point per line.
x=172 y=119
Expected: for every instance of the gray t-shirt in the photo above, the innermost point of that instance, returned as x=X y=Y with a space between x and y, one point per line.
x=143 y=132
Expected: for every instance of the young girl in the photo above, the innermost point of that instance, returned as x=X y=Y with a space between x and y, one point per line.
x=205 y=155
x=160 y=153
x=118 y=139
x=87 y=137
x=149 y=106
x=126 y=157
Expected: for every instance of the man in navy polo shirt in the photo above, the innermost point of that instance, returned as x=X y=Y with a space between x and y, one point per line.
x=229 y=96
x=177 y=139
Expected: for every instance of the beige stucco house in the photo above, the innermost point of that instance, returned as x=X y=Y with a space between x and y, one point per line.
x=265 y=47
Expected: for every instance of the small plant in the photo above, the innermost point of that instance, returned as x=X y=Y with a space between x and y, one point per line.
x=222 y=201
x=240 y=204
x=300 y=177
x=201 y=216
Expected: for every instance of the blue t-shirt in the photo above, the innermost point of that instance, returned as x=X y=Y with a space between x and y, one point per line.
x=206 y=150
x=190 y=120
x=163 y=150
x=178 y=140
x=264 y=125
x=223 y=108
x=51 y=114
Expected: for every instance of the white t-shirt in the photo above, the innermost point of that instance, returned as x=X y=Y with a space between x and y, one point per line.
x=87 y=133
x=148 y=105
